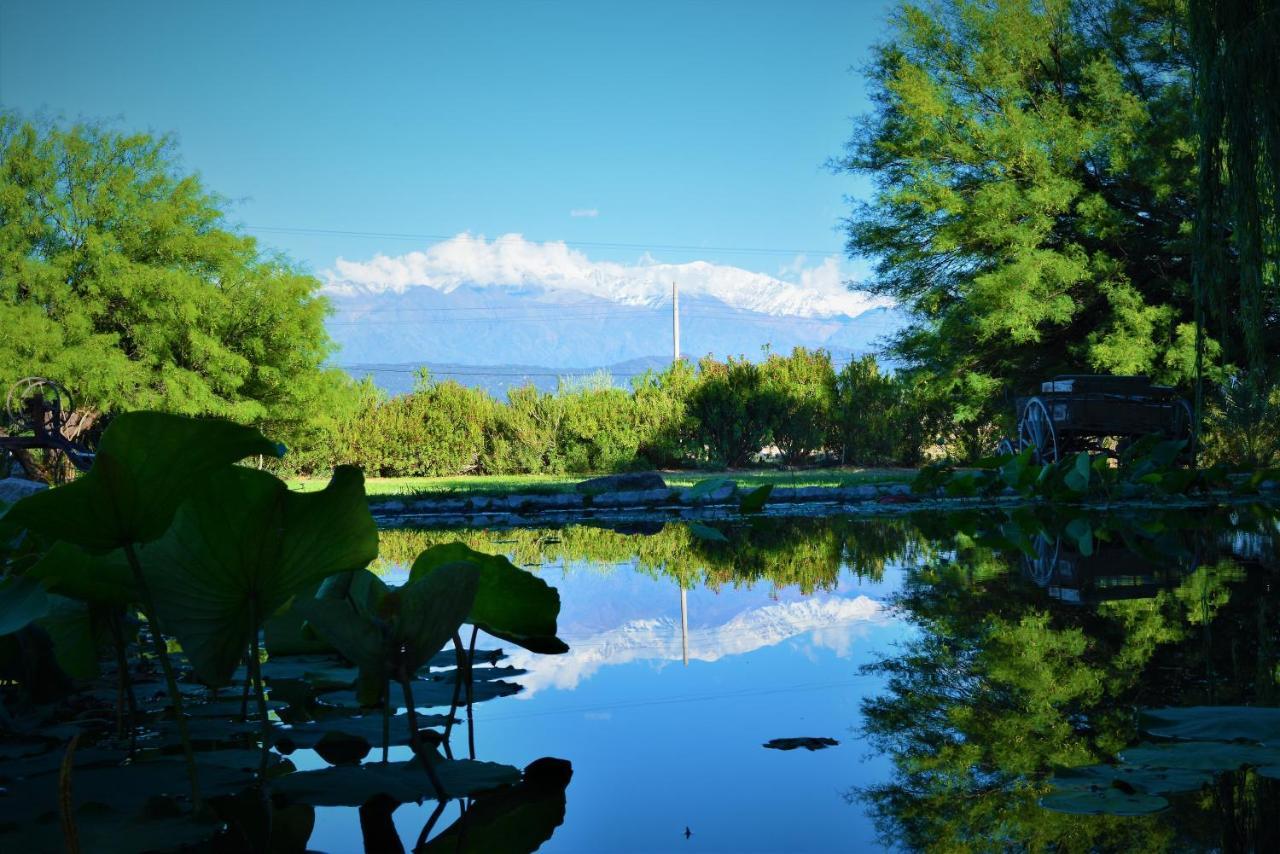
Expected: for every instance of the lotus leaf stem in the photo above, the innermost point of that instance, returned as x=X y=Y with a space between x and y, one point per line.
x=171 y=680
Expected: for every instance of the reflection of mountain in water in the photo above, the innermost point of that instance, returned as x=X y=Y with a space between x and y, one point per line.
x=833 y=619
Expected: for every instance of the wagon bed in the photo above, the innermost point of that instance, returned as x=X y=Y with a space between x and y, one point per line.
x=1076 y=412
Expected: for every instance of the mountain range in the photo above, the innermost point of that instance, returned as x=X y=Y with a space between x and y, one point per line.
x=526 y=311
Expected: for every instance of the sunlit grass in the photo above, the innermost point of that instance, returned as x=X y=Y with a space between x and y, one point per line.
x=547 y=483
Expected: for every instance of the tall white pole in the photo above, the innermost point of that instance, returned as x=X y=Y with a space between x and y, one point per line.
x=684 y=625
x=675 y=350
x=675 y=320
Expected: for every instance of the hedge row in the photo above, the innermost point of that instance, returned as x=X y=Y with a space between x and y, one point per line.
x=717 y=413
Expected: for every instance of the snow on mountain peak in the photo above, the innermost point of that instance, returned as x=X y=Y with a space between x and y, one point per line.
x=512 y=263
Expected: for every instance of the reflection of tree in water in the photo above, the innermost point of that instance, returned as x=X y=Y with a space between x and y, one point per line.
x=807 y=554
x=1005 y=682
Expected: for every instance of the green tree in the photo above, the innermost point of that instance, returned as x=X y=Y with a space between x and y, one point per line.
x=1035 y=170
x=730 y=411
x=803 y=388
x=120 y=278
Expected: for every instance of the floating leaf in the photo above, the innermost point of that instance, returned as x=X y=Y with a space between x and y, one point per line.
x=241 y=547
x=510 y=603
x=346 y=785
x=1103 y=801
x=1215 y=723
x=146 y=465
x=1201 y=755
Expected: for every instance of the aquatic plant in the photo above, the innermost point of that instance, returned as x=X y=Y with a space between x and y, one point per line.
x=211 y=553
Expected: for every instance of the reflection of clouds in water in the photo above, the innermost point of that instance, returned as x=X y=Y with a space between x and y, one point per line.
x=838 y=639
x=835 y=621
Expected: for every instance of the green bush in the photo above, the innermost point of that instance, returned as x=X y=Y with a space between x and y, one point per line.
x=801 y=393
x=719 y=414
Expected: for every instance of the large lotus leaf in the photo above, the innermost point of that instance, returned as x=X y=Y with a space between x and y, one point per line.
x=77 y=637
x=513 y=820
x=432 y=608
x=1215 y=723
x=71 y=571
x=347 y=785
x=22 y=602
x=361 y=588
x=358 y=637
x=146 y=466
x=241 y=547
x=510 y=603
x=754 y=501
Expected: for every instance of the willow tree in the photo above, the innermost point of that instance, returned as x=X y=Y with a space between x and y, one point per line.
x=1035 y=172
x=1236 y=46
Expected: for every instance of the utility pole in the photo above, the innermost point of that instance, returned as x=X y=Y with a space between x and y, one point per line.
x=675 y=321
x=675 y=350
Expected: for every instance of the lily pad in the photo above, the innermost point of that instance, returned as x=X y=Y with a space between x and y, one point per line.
x=1105 y=800
x=1215 y=723
x=401 y=781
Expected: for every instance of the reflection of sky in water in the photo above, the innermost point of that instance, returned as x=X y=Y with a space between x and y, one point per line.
x=657 y=746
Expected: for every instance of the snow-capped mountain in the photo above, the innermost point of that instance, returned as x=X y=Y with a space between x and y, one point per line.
x=468 y=301
x=833 y=618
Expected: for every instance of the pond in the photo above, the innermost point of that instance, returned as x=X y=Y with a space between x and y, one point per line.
x=948 y=670
x=955 y=658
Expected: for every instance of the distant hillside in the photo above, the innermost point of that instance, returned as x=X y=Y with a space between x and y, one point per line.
x=497 y=380
x=540 y=331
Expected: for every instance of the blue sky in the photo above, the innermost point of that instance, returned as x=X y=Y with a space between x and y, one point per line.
x=700 y=124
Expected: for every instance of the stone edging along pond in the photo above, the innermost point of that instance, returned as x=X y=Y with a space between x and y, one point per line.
x=661 y=503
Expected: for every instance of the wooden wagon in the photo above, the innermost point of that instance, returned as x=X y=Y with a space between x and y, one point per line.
x=1077 y=412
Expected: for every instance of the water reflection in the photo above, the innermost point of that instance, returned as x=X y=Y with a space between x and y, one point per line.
x=991 y=648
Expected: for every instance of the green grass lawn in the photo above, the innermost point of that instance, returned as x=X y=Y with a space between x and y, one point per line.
x=546 y=483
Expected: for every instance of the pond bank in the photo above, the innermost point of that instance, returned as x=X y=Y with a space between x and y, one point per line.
x=722 y=502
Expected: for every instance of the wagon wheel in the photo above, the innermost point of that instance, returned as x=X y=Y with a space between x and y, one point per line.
x=1042 y=566
x=1035 y=430
x=1182 y=421
x=37 y=404
x=1006 y=448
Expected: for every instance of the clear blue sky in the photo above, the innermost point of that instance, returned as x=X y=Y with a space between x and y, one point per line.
x=691 y=123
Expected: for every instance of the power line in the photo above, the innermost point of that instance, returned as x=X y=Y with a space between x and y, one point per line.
x=665 y=247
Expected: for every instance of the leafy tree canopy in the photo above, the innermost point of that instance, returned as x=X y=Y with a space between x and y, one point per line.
x=1035 y=170
x=120 y=278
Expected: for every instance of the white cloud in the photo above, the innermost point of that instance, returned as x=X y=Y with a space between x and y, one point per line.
x=587 y=212
x=801 y=289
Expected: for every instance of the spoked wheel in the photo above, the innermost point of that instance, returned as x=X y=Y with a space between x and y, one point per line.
x=1041 y=567
x=38 y=405
x=1035 y=431
x=1006 y=448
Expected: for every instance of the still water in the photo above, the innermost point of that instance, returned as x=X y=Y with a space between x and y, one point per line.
x=956 y=659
